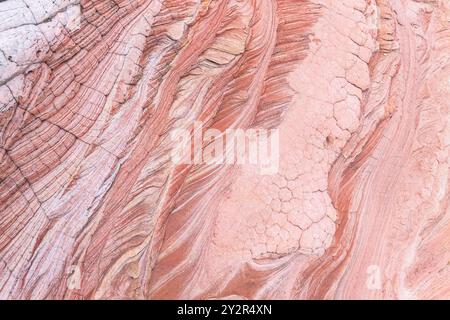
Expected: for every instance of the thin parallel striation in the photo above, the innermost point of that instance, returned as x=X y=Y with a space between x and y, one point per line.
x=94 y=206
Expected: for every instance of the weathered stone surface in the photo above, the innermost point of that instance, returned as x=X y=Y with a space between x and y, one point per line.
x=92 y=206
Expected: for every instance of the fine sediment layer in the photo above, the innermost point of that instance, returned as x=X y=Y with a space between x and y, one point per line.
x=92 y=205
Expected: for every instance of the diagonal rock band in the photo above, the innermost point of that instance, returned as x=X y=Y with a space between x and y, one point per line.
x=276 y=149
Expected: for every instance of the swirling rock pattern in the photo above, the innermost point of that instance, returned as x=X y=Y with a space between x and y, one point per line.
x=92 y=207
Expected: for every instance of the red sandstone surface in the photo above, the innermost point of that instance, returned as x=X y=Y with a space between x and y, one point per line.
x=93 y=207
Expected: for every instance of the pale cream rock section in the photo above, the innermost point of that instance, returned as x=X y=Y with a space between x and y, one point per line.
x=27 y=30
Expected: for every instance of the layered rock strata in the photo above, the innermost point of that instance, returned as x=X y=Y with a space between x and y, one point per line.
x=92 y=205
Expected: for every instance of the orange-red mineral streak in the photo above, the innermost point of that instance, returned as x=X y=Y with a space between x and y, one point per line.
x=93 y=207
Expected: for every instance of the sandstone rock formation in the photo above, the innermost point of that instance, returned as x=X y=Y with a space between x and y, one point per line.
x=93 y=207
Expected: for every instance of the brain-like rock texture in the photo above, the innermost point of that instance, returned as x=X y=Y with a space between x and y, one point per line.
x=92 y=205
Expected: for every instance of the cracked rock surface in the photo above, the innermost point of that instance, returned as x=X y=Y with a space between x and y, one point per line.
x=92 y=206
